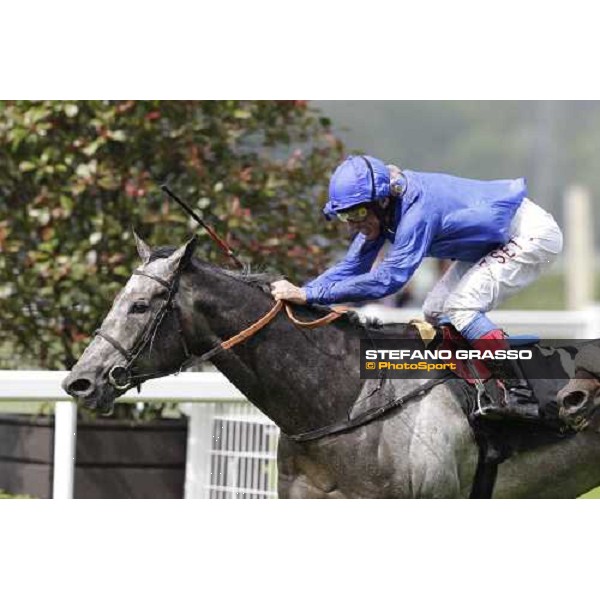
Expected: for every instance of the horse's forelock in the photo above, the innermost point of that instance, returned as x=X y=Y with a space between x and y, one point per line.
x=161 y=252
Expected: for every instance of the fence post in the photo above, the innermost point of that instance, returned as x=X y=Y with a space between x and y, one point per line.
x=199 y=446
x=579 y=246
x=592 y=322
x=65 y=435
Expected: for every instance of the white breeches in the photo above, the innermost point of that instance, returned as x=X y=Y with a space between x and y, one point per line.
x=468 y=289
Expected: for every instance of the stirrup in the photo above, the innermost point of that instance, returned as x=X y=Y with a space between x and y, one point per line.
x=491 y=409
x=482 y=393
x=508 y=408
x=484 y=410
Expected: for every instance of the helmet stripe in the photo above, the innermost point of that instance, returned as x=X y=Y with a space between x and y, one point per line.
x=372 y=177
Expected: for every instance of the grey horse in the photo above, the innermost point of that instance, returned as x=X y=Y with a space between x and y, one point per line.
x=176 y=306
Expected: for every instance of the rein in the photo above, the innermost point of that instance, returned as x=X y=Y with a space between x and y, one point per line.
x=122 y=378
x=247 y=333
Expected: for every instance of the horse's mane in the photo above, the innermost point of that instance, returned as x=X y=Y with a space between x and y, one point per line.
x=259 y=279
x=250 y=275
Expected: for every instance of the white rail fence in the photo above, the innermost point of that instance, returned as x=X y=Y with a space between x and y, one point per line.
x=549 y=324
x=232 y=446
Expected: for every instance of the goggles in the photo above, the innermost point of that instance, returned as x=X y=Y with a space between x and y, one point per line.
x=354 y=215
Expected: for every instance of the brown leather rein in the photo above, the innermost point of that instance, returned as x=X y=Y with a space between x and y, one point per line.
x=263 y=321
x=242 y=336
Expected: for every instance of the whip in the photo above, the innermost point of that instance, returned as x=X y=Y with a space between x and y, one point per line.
x=211 y=232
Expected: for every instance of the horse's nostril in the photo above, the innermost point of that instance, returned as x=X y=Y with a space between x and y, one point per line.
x=79 y=386
x=574 y=399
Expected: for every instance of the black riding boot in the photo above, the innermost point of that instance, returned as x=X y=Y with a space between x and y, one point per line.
x=513 y=397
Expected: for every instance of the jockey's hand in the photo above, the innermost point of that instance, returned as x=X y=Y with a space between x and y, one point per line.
x=284 y=290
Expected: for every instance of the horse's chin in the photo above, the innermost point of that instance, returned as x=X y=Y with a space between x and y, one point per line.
x=102 y=403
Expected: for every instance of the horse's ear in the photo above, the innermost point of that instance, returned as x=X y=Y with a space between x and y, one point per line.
x=182 y=255
x=143 y=249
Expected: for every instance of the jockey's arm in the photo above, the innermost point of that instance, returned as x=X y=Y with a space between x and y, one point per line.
x=411 y=243
x=359 y=259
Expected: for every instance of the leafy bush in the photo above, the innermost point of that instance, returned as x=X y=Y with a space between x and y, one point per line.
x=76 y=177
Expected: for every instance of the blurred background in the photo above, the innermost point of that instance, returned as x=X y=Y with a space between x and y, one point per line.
x=76 y=177
x=554 y=145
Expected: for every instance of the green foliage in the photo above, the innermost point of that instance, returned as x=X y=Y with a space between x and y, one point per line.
x=76 y=177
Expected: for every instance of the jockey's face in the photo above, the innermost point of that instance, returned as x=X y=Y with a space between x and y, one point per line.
x=370 y=226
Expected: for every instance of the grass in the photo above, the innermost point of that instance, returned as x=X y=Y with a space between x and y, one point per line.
x=547 y=293
x=592 y=494
x=4 y=495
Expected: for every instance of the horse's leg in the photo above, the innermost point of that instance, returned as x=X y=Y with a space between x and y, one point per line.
x=301 y=487
x=431 y=443
x=299 y=476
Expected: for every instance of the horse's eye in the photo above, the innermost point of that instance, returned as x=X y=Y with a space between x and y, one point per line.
x=139 y=307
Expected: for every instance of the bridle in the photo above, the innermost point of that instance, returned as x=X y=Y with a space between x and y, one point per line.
x=122 y=378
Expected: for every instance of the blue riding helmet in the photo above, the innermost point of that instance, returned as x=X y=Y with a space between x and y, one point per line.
x=357 y=180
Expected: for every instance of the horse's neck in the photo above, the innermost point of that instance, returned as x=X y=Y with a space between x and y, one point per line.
x=301 y=379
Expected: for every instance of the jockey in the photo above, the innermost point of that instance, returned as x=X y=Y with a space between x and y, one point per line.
x=500 y=242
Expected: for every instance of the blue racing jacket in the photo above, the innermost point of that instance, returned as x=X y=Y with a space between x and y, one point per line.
x=438 y=215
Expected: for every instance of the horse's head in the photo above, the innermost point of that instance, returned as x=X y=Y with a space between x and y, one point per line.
x=140 y=338
x=579 y=400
